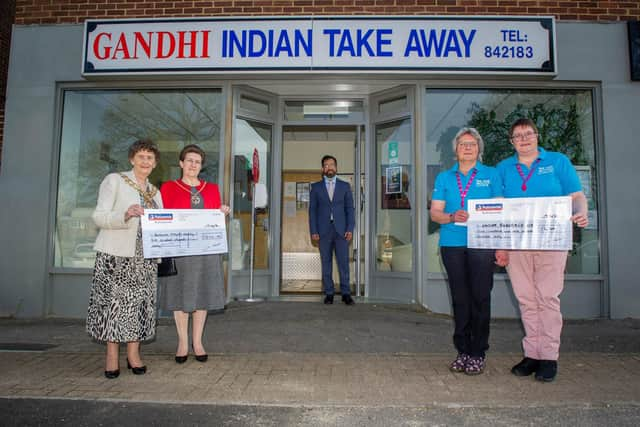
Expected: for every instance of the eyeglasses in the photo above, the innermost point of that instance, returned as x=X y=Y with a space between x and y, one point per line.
x=523 y=136
x=469 y=144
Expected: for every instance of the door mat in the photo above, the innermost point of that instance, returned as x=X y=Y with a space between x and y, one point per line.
x=21 y=346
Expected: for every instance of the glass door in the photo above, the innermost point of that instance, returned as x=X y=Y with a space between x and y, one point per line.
x=250 y=240
x=392 y=192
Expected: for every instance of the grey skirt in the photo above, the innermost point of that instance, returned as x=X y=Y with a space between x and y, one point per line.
x=199 y=284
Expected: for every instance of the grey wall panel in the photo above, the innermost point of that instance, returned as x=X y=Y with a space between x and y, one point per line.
x=600 y=52
x=69 y=295
x=40 y=56
x=579 y=300
x=503 y=302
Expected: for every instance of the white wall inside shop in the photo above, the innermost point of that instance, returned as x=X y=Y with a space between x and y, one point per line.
x=308 y=154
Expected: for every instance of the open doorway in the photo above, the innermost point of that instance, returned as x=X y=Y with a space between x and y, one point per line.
x=303 y=149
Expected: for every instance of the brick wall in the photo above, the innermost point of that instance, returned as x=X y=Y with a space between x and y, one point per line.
x=76 y=11
x=7 y=13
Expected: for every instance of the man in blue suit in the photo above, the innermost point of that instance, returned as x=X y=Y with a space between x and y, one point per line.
x=331 y=223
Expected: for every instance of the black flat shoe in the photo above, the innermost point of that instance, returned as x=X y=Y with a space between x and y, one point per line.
x=112 y=374
x=202 y=357
x=547 y=371
x=137 y=370
x=328 y=299
x=526 y=367
x=348 y=300
x=181 y=359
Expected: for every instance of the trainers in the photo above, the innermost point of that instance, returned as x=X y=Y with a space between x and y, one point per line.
x=474 y=366
x=526 y=367
x=547 y=371
x=459 y=364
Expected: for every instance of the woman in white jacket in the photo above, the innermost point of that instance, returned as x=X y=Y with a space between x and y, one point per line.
x=123 y=290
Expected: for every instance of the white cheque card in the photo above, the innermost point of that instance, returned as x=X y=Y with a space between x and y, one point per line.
x=183 y=232
x=531 y=223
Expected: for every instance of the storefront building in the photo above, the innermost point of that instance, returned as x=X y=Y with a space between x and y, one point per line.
x=277 y=85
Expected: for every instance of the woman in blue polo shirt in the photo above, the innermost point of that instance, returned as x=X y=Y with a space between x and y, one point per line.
x=537 y=277
x=469 y=271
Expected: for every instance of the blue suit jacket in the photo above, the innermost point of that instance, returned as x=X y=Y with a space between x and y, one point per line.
x=320 y=209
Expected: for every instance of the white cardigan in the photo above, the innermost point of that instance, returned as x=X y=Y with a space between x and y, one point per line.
x=117 y=236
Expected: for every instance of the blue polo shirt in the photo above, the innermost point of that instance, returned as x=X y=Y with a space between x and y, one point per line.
x=554 y=175
x=486 y=184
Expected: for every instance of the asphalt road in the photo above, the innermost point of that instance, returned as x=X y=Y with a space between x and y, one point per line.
x=81 y=413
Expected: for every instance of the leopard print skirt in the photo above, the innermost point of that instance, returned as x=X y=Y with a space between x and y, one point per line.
x=122 y=301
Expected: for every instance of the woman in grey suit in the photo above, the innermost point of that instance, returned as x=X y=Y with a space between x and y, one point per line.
x=199 y=284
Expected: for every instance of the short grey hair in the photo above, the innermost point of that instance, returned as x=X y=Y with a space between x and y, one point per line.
x=475 y=134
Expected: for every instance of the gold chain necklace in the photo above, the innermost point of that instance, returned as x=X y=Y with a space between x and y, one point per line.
x=147 y=196
x=195 y=197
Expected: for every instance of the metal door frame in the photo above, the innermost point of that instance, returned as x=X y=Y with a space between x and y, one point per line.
x=360 y=200
x=238 y=279
x=376 y=117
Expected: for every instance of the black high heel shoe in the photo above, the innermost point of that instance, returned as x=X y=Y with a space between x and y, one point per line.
x=112 y=374
x=137 y=370
x=200 y=358
x=182 y=359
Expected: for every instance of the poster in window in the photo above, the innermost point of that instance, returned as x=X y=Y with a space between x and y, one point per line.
x=394 y=180
x=395 y=187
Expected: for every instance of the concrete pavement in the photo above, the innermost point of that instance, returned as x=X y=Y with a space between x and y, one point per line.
x=354 y=360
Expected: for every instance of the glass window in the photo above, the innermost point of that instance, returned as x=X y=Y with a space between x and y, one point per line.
x=566 y=124
x=392 y=105
x=261 y=106
x=394 y=241
x=250 y=135
x=98 y=126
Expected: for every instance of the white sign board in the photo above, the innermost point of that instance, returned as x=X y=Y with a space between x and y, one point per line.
x=183 y=232
x=531 y=223
x=523 y=45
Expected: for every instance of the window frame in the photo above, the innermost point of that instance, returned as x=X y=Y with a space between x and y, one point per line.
x=56 y=139
x=596 y=105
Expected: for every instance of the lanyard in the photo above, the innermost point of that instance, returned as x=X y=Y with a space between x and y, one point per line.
x=463 y=193
x=528 y=177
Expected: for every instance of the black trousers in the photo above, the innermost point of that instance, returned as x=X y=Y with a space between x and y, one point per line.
x=470 y=273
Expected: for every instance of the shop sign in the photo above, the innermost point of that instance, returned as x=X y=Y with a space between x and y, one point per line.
x=489 y=45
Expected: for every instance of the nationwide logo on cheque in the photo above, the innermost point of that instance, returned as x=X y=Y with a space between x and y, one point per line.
x=489 y=207
x=160 y=217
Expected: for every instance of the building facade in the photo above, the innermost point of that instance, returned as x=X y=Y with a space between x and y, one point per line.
x=79 y=92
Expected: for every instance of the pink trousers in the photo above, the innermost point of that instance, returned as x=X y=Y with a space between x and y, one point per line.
x=537 y=278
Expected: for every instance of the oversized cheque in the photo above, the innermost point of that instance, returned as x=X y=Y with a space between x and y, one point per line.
x=183 y=232
x=532 y=223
